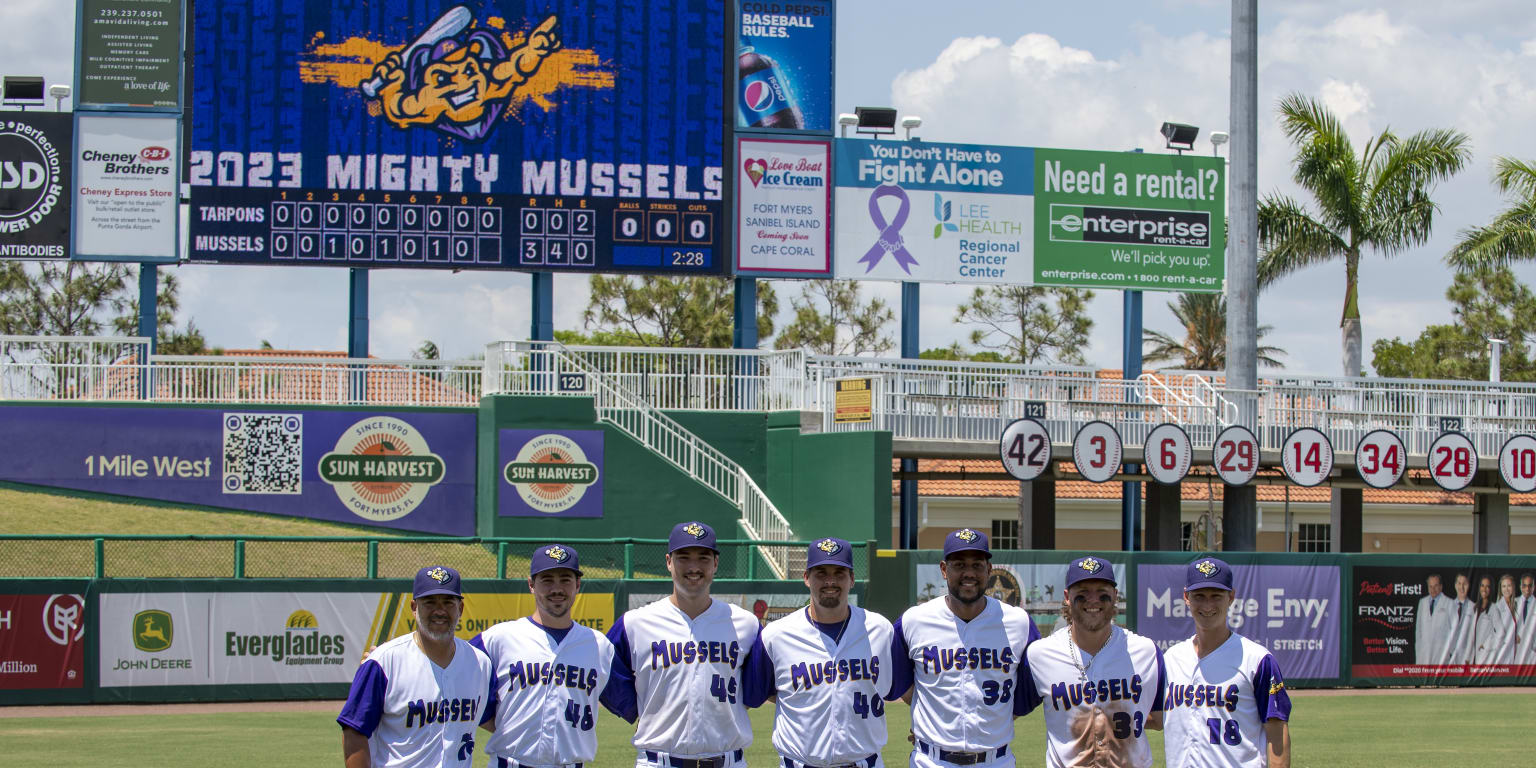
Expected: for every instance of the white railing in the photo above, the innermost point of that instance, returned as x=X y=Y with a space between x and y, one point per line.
x=690 y=379
x=1346 y=409
x=67 y=367
x=223 y=379
x=549 y=368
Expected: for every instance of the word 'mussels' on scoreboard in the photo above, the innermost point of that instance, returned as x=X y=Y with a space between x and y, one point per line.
x=458 y=138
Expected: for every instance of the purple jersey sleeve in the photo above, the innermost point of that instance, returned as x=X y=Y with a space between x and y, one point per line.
x=758 y=677
x=479 y=642
x=1025 y=696
x=1034 y=632
x=901 y=663
x=1269 y=688
x=365 y=702
x=619 y=694
x=1162 y=683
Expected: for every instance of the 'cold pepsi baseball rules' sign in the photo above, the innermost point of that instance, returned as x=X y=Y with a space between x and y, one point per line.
x=549 y=136
x=784 y=65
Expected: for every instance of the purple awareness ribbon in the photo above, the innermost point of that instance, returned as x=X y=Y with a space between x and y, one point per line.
x=889 y=240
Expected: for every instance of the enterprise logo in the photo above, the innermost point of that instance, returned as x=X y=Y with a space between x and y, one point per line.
x=1132 y=226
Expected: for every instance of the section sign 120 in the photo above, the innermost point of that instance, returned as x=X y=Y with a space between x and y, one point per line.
x=550 y=136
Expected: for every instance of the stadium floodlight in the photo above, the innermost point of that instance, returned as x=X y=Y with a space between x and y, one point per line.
x=59 y=93
x=875 y=121
x=845 y=121
x=1180 y=136
x=909 y=123
x=22 y=91
x=1218 y=138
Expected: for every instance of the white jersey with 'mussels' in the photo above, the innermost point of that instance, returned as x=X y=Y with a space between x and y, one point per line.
x=548 y=691
x=415 y=713
x=964 y=674
x=688 y=700
x=830 y=690
x=1214 y=708
x=1096 y=706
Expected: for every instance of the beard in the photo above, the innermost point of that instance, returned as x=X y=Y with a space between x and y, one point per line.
x=830 y=601
x=954 y=591
x=436 y=637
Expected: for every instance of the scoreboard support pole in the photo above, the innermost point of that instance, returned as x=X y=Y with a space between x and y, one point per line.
x=542 y=326
x=910 y=302
x=357 y=313
x=149 y=310
x=1130 y=493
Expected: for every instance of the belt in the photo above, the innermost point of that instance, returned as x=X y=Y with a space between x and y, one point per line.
x=863 y=762
x=961 y=758
x=502 y=762
x=716 y=761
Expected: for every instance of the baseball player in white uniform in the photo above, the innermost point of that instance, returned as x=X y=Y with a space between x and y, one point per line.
x=828 y=666
x=962 y=654
x=550 y=672
x=416 y=699
x=1432 y=623
x=1101 y=686
x=1225 y=705
x=678 y=664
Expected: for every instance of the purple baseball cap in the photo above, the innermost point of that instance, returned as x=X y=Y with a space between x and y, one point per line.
x=553 y=556
x=1208 y=572
x=436 y=580
x=691 y=534
x=967 y=540
x=1089 y=567
x=829 y=551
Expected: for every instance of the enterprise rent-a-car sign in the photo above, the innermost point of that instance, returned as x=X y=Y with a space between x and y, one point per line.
x=1130 y=220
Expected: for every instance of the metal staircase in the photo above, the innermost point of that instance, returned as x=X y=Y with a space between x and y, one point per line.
x=547 y=367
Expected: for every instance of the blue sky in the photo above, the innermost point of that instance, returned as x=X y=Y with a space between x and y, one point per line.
x=1097 y=75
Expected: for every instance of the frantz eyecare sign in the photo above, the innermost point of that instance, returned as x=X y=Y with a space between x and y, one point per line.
x=550 y=473
x=34 y=183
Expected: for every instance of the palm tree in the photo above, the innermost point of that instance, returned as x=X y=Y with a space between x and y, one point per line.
x=1204 y=348
x=1512 y=235
x=1378 y=200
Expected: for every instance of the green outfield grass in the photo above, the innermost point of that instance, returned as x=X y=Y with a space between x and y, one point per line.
x=1421 y=730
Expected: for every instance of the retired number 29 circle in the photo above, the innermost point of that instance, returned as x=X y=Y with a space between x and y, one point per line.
x=1096 y=450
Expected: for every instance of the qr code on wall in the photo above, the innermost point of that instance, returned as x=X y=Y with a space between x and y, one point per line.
x=263 y=453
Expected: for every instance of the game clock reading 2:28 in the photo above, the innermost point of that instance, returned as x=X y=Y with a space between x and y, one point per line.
x=482 y=136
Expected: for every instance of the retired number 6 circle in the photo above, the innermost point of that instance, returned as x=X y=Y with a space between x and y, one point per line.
x=1026 y=449
x=1307 y=457
x=1096 y=451
x=1452 y=461
x=1168 y=453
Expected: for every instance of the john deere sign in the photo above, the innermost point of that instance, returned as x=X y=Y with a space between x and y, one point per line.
x=546 y=473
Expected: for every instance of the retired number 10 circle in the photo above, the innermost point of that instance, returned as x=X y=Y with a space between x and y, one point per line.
x=1517 y=463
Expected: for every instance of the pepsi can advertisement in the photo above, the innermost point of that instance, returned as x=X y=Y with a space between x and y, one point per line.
x=784 y=63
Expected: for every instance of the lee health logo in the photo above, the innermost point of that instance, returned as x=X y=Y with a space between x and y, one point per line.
x=942 y=210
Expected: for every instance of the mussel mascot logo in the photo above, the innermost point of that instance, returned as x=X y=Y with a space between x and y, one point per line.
x=457 y=79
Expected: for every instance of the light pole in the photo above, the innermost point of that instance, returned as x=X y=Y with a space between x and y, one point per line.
x=910 y=123
x=844 y=122
x=1218 y=138
x=59 y=94
x=1497 y=347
